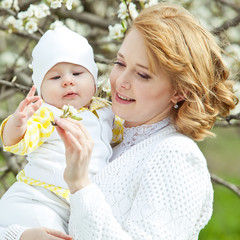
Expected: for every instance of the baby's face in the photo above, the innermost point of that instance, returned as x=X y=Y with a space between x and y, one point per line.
x=67 y=83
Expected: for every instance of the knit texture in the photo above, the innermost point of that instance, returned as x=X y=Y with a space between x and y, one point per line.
x=13 y=232
x=159 y=188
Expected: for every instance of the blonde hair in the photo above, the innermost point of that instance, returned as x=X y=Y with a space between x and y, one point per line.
x=191 y=57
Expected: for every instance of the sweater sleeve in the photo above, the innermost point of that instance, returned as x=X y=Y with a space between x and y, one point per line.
x=13 y=232
x=173 y=201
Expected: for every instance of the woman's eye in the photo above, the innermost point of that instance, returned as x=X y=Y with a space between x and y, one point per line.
x=144 y=76
x=118 y=63
x=55 y=77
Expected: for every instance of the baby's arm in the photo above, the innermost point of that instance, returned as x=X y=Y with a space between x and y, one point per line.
x=16 y=125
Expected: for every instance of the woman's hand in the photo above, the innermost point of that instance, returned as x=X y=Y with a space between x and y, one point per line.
x=44 y=234
x=79 y=145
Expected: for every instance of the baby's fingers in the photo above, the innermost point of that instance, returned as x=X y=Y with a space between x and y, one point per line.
x=32 y=91
x=30 y=103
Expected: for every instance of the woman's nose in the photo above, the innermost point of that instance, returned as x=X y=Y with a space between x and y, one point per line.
x=124 y=81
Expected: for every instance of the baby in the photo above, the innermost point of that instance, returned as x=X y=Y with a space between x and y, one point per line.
x=65 y=75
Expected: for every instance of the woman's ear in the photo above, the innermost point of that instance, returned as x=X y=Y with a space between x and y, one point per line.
x=177 y=97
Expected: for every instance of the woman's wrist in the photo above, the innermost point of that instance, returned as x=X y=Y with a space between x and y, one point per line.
x=74 y=187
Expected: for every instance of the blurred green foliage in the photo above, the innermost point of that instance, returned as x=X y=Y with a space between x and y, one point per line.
x=223 y=156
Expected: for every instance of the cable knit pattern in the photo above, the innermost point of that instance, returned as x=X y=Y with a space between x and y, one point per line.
x=13 y=232
x=159 y=188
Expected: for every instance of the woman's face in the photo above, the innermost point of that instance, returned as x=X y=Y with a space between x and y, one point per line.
x=138 y=96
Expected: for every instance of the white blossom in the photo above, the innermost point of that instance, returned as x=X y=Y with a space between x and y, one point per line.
x=56 y=24
x=10 y=21
x=106 y=87
x=7 y=58
x=65 y=108
x=116 y=31
x=56 y=4
x=23 y=15
x=18 y=25
x=30 y=66
x=72 y=110
x=10 y=4
x=76 y=3
x=122 y=12
x=15 y=5
x=31 y=26
x=104 y=84
x=30 y=11
x=151 y=3
x=102 y=67
x=133 y=11
x=6 y=4
x=45 y=8
x=80 y=9
x=40 y=11
x=69 y=4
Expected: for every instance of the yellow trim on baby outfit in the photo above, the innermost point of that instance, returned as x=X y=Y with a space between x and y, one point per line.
x=63 y=192
x=40 y=129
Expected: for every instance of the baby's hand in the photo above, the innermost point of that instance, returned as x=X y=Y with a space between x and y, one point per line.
x=26 y=108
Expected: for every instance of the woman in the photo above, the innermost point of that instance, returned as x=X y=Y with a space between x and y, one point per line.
x=169 y=83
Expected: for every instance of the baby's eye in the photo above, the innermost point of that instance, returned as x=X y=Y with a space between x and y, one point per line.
x=76 y=74
x=55 y=77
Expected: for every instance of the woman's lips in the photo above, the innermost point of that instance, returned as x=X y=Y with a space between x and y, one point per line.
x=123 y=99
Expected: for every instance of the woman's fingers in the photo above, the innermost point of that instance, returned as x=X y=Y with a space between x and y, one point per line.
x=74 y=134
x=44 y=234
x=67 y=137
x=57 y=234
x=79 y=147
x=72 y=125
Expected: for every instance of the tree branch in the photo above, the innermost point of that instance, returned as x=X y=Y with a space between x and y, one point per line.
x=232 y=116
x=102 y=60
x=22 y=34
x=24 y=6
x=7 y=11
x=230 y=186
x=226 y=25
x=229 y=4
x=14 y=85
x=226 y=121
x=84 y=17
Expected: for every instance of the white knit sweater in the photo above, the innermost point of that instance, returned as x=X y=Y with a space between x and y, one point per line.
x=159 y=188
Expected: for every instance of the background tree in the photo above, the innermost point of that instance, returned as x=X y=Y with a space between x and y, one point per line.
x=103 y=23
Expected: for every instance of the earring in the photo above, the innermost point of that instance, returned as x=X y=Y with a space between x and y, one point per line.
x=175 y=106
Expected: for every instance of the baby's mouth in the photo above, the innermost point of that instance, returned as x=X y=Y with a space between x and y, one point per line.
x=70 y=94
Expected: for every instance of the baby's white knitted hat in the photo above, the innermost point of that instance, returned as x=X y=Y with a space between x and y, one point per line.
x=61 y=45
